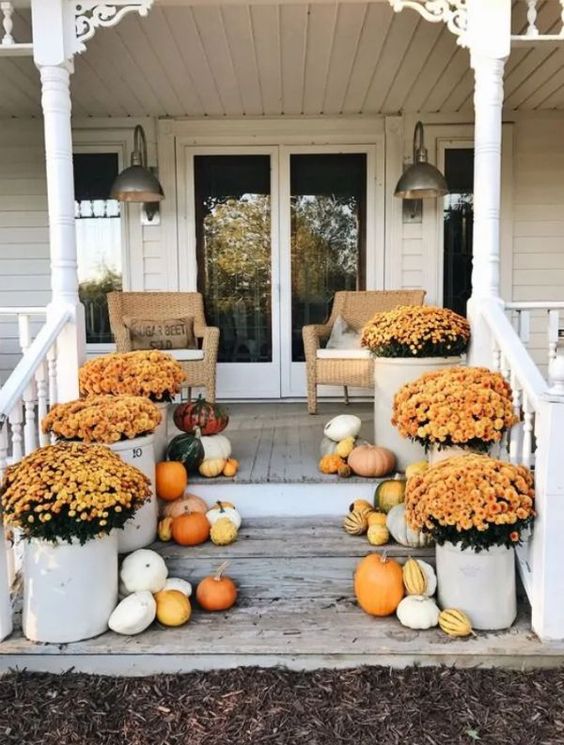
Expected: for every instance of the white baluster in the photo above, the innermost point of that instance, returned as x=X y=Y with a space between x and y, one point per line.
x=562 y=18
x=504 y=366
x=8 y=24
x=16 y=426
x=3 y=447
x=553 y=330
x=30 y=424
x=524 y=326
x=556 y=375
x=42 y=406
x=52 y=374
x=496 y=356
x=528 y=416
x=532 y=14
x=516 y=432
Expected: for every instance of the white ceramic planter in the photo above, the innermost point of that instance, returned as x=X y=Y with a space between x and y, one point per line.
x=436 y=454
x=141 y=529
x=390 y=373
x=161 y=432
x=70 y=590
x=6 y=625
x=480 y=584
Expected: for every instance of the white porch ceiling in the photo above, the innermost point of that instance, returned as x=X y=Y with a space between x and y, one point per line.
x=271 y=60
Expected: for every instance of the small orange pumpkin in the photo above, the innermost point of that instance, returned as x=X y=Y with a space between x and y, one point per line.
x=191 y=529
x=217 y=592
x=170 y=480
x=331 y=463
x=186 y=505
x=230 y=468
x=371 y=461
x=378 y=584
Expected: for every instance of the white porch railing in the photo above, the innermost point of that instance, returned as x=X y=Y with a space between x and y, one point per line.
x=545 y=317
x=536 y=442
x=545 y=22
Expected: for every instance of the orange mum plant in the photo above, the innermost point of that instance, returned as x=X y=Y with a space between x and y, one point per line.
x=473 y=500
x=153 y=374
x=417 y=331
x=104 y=419
x=466 y=406
x=71 y=490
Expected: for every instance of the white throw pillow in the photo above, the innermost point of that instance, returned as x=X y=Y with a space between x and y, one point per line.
x=343 y=336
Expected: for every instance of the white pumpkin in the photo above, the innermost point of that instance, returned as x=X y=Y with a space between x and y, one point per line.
x=143 y=570
x=418 y=612
x=402 y=533
x=342 y=426
x=430 y=577
x=327 y=447
x=216 y=513
x=134 y=614
x=182 y=585
x=216 y=447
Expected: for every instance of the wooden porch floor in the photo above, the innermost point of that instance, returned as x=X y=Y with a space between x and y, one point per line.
x=296 y=608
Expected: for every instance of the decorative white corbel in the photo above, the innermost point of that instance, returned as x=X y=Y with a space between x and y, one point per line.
x=90 y=15
x=452 y=12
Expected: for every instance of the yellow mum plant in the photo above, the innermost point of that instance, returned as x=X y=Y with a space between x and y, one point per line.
x=153 y=374
x=466 y=406
x=71 y=490
x=416 y=331
x=471 y=499
x=104 y=419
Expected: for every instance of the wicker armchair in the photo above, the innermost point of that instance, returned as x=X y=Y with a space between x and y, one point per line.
x=199 y=372
x=356 y=308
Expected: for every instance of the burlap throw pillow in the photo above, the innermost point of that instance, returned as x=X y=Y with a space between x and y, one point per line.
x=161 y=333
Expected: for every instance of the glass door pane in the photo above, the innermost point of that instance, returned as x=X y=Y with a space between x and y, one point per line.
x=328 y=234
x=234 y=252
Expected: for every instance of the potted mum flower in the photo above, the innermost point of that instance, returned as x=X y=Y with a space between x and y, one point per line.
x=476 y=509
x=67 y=500
x=126 y=425
x=450 y=410
x=152 y=374
x=406 y=342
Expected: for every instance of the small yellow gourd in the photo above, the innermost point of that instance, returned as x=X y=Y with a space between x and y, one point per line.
x=455 y=623
x=344 y=471
x=378 y=535
x=165 y=529
x=361 y=505
x=230 y=468
x=212 y=467
x=223 y=532
x=414 y=578
x=356 y=523
x=330 y=463
x=415 y=469
x=376 y=518
x=345 y=447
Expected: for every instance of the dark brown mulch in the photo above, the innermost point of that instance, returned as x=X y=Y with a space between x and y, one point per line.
x=364 y=706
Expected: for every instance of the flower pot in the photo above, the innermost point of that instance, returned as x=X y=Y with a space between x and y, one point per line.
x=141 y=529
x=5 y=599
x=70 y=590
x=390 y=374
x=161 y=432
x=480 y=584
x=436 y=454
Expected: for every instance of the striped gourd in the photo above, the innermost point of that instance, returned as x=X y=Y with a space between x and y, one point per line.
x=454 y=622
x=414 y=578
x=356 y=523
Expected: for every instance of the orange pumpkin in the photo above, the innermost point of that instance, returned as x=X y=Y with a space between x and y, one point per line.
x=217 y=592
x=191 y=529
x=371 y=461
x=230 y=468
x=378 y=585
x=170 y=480
x=185 y=506
x=331 y=463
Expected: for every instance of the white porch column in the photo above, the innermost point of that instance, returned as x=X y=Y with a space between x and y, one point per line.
x=51 y=21
x=488 y=35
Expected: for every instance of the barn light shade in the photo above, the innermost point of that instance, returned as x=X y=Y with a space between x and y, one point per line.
x=421 y=180
x=137 y=183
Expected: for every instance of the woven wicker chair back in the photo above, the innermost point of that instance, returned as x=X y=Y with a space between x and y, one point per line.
x=157 y=305
x=357 y=308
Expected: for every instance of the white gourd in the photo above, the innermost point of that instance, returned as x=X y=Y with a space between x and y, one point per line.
x=230 y=513
x=143 y=570
x=418 y=612
x=430 y=576
x=342 y=426
x=402 y=533
x=134 y=614
x=182 y=585
x=216 y=447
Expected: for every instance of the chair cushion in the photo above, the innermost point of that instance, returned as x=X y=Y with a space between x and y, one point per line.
x=343 y=336
x=343 y=354
x=187 y=355
x=161 y=333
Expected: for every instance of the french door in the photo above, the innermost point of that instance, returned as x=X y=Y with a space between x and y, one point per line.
x=272 y=234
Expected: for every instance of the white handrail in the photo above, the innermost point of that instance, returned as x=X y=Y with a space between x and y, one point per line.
x=23 y=375
x=536 y=305
x=512 y=349
x=16 y=310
